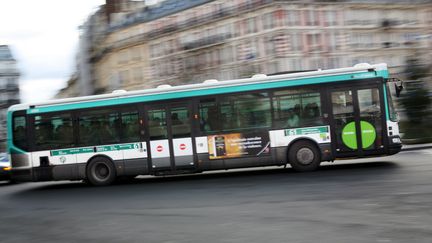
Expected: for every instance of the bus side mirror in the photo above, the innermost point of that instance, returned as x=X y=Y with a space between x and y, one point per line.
x=398 y=87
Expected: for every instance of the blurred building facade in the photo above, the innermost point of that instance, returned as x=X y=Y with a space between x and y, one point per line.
x=176 y=42
x=9 y=89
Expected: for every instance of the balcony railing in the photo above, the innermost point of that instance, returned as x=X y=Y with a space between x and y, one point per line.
x=211 y=40
x=203 y=19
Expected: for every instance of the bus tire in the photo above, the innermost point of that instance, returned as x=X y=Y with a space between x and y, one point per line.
x=100 y=172
x=304 y=156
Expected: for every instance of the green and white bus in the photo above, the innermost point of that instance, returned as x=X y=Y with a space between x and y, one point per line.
x=300 y=119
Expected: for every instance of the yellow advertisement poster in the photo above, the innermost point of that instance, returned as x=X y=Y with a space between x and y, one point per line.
x=236 y=145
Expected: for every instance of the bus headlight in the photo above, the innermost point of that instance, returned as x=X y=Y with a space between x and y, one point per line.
x=396 y=140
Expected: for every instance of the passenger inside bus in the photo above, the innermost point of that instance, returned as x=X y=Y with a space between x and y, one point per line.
x=175 y=120
x=130 y=130
x=293 y=119
x=311 y=114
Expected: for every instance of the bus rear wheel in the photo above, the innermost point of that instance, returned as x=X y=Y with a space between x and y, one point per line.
x=304 y=156
x=100 y=172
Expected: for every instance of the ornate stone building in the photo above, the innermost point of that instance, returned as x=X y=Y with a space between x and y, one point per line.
x=9 y=89
x=189 y=41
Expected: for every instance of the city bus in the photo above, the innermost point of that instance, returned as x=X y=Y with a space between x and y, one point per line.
x=297 y=119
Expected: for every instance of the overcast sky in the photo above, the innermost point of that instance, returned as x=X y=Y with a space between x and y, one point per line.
x=43 y=36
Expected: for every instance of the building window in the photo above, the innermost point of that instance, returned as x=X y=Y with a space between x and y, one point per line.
x=268 y=21
x=135 y=53
x=137 y=74
x=153 y=50
x=292 y=18
x=296 y=41
x=330 y=18
x=251 y=25
x=334 y=62
x=269 y=46
x=238 y=30
x=123 y=57
x=279 y=17
x=296 y=65
x=282 y=44
x=314 y=42
x=226 y=55
x=312 y=17
x=124 y=77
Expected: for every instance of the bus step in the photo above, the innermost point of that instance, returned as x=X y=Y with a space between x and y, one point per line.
x=173 y=172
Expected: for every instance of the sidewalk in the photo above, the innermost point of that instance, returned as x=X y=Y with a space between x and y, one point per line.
x=408 y=147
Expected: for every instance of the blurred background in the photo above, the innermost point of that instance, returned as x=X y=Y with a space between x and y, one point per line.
x=132 y=45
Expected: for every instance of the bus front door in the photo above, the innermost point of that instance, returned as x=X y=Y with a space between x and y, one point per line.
x=357 y=121
x=171 y=146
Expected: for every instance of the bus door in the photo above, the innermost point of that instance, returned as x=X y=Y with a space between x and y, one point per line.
x=357 y=121
x=171 y=146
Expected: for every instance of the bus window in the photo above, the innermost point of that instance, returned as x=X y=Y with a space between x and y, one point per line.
x=99 y=127
x=208 y=112
x=19 y=132
x=157 y=124
x=297 y=108
x=130 y=126
x=311 y=109
x=393 y=115
x=235 y=113
x=253 y=110
x=180 y=122
x=370 y=111
x=53 y=131
x=227 y=116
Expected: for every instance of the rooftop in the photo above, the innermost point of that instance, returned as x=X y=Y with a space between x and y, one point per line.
x=162 y=9
x=169 y=7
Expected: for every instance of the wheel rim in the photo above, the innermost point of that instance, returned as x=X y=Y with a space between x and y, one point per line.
x=305 y=156
x=101 y=171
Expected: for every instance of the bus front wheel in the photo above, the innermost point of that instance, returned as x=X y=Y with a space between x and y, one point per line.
x=304 y=156
x=100 y=172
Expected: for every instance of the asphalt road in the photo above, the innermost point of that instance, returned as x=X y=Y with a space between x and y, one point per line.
x=388 y=199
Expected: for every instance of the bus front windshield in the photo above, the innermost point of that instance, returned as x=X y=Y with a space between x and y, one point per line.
x=392 y=112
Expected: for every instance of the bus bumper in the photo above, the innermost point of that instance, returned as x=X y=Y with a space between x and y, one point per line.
x=395 y=145
x=21 y=175
x=4 y=175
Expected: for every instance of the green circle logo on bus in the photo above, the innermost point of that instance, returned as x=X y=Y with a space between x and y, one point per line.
x=349 y=137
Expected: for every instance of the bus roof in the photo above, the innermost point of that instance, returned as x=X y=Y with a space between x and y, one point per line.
x=208 y=87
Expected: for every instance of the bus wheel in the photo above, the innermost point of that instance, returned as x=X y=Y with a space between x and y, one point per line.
x=304 y=156
x=100 y=172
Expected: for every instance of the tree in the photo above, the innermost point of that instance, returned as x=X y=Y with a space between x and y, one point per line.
x=416 y=101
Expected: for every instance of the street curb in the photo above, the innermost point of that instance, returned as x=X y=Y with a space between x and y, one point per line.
x=416 y=148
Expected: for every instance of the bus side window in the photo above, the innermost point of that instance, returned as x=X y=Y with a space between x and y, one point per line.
x=130 y=126
x=19 y=132
x=311 y=107
x=297 y=108
x=99 y=127
x=208 y=111
x=53 y=131
x=157 y=124
x=251 y=111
